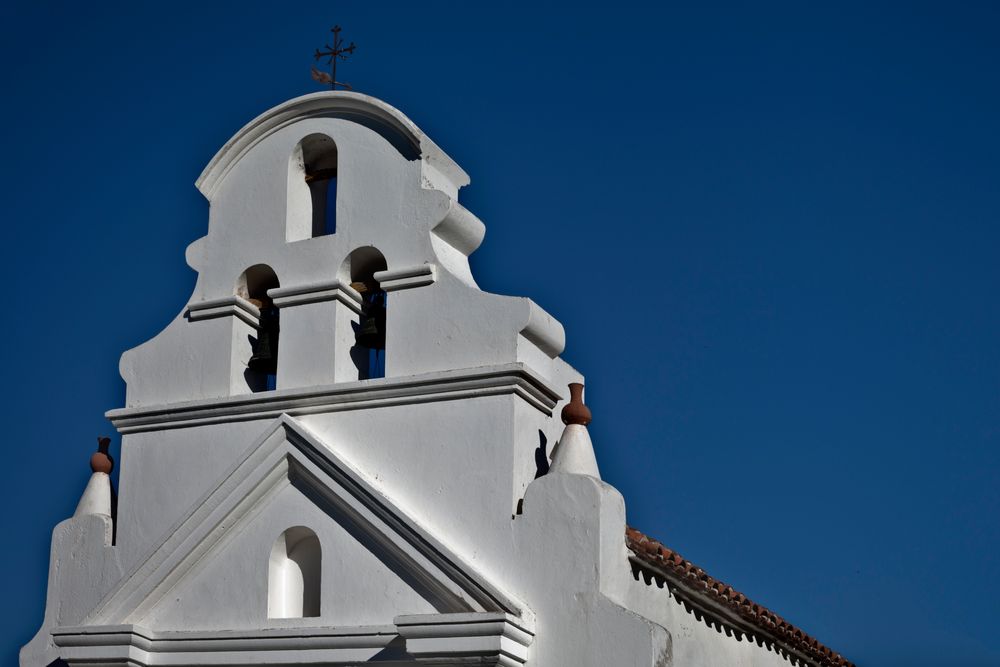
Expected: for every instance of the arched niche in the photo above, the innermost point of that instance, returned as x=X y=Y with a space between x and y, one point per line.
x=312 y=188
x=369 y=350
x=262 y=366
x=293 y=578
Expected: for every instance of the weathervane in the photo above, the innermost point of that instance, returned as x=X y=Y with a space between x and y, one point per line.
x=336 y=52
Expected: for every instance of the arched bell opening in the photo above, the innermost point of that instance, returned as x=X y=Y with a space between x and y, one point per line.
x=294 y=573
x=312 y=188
x=368 y=353
x=262 y=367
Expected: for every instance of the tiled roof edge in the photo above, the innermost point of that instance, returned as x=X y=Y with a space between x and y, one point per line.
x=663 y=561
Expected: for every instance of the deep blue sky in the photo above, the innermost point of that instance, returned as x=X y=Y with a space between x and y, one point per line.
x=770 y=230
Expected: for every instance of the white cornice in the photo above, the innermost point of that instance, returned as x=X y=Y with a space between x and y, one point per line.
x=481 y=639
x=516 y=379
x=285 y=297
x=405 y=278
x=135 y=645
x=225 y=307
x=473 y=639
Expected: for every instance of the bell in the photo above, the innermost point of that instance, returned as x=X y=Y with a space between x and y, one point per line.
x=371 y=331
x=265 y=351
x=368 y=333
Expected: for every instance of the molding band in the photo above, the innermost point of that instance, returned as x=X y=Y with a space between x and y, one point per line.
x=135 y=645
x=473 y=639
x=225 y=307
x=516 y=379
x=285 y=297
x=405 y=278
x=481 y=639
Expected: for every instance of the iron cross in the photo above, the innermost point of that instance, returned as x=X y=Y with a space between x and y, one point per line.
x=336 y=52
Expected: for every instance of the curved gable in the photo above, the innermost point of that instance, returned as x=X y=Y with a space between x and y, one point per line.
x=439 y=169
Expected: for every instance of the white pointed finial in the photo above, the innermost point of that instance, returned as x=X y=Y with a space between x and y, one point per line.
x=574 y=453
x=96 y=498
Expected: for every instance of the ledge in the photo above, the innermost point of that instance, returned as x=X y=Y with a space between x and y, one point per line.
x=135 y=645
x=460 y=639
x=411 y=276
x=227 y=306
x=285 y=297
x=516 y=379
x=478 y=639
x=544 y=331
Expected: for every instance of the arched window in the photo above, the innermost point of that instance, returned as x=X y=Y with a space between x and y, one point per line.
x=293 y=578
x=312 y=188
x=368 y=352
x=262 y=367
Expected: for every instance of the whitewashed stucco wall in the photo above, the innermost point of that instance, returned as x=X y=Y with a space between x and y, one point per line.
x=449 y=448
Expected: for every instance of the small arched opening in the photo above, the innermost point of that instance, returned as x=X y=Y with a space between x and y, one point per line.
x=262 y=367
x=312 y=184
x=368 y=353
x=293 y=577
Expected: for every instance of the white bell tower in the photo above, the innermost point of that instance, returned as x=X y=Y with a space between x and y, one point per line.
x=337 y=452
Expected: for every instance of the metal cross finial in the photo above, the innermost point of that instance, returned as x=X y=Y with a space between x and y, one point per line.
x=336 y=52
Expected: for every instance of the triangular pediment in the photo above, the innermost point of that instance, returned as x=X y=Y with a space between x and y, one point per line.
x=290 y=477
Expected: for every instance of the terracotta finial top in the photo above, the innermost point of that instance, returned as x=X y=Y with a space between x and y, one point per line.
x=101 y=461
x=575 y=412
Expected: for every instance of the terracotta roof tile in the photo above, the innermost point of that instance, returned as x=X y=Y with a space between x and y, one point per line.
x=661 y=560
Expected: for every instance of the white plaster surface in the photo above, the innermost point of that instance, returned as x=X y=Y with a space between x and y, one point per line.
x=96 y=498
x=442 y=539
x=575 y=453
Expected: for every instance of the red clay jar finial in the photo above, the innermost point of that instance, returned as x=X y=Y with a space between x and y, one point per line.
x=101 y=461
x=575 y=412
